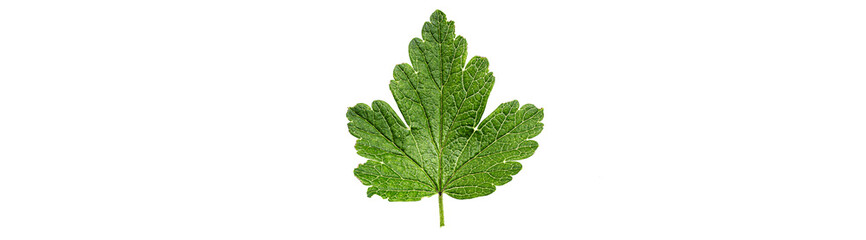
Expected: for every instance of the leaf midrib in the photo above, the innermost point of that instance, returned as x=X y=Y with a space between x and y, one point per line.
x=441 y=104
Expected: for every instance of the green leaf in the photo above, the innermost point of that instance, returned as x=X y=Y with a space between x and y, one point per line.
x=444 y=146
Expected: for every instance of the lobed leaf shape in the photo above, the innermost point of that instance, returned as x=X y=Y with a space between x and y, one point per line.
x=444 y=146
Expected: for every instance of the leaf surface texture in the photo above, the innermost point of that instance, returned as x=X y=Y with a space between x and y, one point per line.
x=444 y=145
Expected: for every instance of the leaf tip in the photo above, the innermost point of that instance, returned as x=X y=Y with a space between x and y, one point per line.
x=437 y=16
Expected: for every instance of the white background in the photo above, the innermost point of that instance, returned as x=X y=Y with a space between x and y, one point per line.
x=226 y=120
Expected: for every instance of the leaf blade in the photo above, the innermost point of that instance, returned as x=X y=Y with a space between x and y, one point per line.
x=444 y=145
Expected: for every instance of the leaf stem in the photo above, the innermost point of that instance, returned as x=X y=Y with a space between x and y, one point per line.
x=441 y=212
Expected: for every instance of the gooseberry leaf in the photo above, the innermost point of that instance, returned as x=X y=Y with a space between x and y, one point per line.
x=443 y=146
